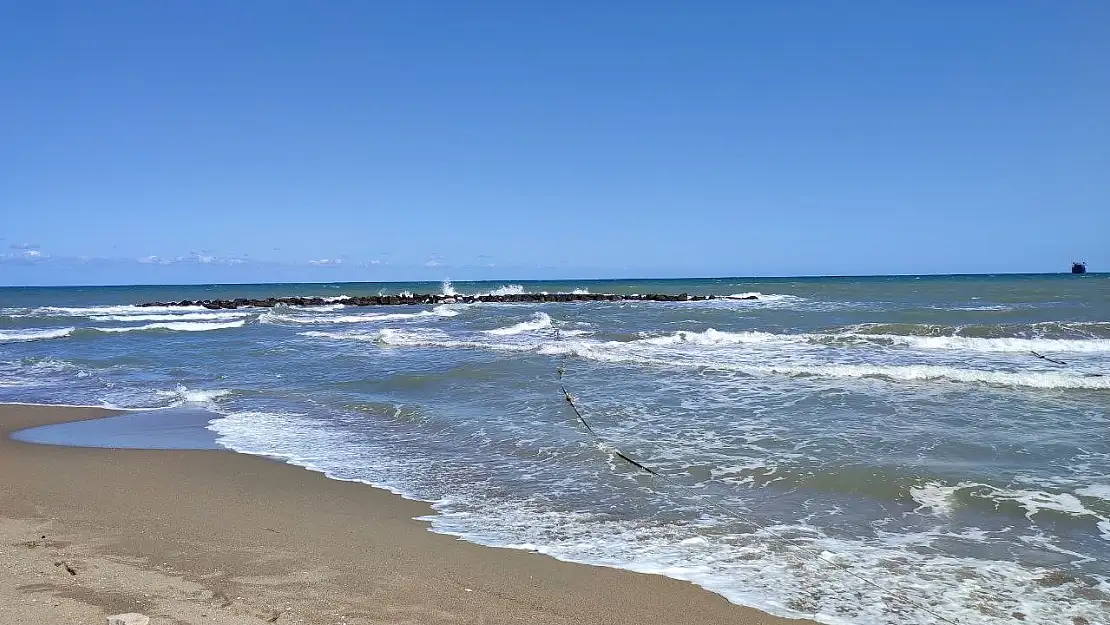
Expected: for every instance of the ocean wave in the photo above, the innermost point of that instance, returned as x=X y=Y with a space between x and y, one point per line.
x=684 y=349
x=754 y=567
x=507 y=289
x=196 y=316
x=765 y=297
x=540 y=321
x=36 y=366
x=983 y=308
x=924 y=373
x=34 y=334
x=90 y=311
x=184 y=326
x=942 y=499
x=634 y=353
x=712 y=337
x=715 y=337
x=935 y=497
x=1012 y=345
x=1053 y=330
x=274 y=316
x=184 y=395
x=410 y=338
x=1099 y=491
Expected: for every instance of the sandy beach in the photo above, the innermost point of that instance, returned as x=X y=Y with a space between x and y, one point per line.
x=219 y=537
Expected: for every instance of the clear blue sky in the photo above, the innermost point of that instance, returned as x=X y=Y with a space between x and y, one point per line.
x=266 y=140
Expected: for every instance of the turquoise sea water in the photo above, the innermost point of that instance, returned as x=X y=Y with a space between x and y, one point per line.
x=855 y=450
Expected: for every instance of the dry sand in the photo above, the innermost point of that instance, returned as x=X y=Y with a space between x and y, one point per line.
x=216 y=537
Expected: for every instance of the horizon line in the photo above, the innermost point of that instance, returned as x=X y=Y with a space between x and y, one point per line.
x=526 y=280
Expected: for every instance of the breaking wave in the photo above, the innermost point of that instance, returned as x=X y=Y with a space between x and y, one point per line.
x=36 y=334
x=183 y=395
x=184 y=326
x=192 y=316
x=508 y=289
x=619 y=352
x=992 y=344
x=275 y=316
x=540 y=321
x=90 y=311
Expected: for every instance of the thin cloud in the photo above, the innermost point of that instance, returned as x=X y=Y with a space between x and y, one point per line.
x=324 y=262
x=24 y=255
x=24 y=246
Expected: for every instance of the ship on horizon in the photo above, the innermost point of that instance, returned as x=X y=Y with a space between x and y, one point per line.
x=1079 y=267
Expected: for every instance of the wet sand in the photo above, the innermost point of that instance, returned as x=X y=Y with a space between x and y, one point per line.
x=217 y=537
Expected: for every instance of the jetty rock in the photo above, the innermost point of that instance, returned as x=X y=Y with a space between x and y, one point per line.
x=410 y=299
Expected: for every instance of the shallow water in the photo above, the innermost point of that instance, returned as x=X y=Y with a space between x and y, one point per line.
x=899 y=430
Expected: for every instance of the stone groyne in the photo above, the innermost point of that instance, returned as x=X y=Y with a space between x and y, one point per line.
x=438 y=298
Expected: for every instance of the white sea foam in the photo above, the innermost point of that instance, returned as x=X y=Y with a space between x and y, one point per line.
x=758 y=568
x=184 y=326
x=688 y=350
x=997 y=345
x=940 y=499
x=913 y=373
x=935 y=497
x=765 y=297
x=447 y=288
x=414 y=338
x=192 y=316
x=645 y=351
x=441 y=311
x=508 y=289
x=540 y=321
x=195 y=396
x=715 y=337
x=1100 y=491
x=1036 y=501
x=1004 y=344
x=984 y=308
x=88 y=311
x=34 y=334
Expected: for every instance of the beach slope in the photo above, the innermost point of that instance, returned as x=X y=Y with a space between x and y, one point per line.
x=218 y=537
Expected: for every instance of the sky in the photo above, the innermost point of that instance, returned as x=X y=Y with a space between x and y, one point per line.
x=204 y=141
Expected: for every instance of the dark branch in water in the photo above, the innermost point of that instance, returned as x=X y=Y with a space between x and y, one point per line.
x=1052 y=360
x=803 y=550
x=582 y=420
x=437 y=298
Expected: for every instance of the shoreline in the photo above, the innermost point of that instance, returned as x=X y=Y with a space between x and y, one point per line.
x=205 y=536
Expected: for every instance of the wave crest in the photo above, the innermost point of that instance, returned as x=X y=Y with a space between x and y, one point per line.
x=540 y=321
x=183 y=326
x=34 y=334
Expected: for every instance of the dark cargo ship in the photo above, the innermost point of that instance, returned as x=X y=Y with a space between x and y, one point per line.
x=1079 y=267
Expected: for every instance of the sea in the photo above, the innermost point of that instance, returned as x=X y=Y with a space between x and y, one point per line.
x=896 y=450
